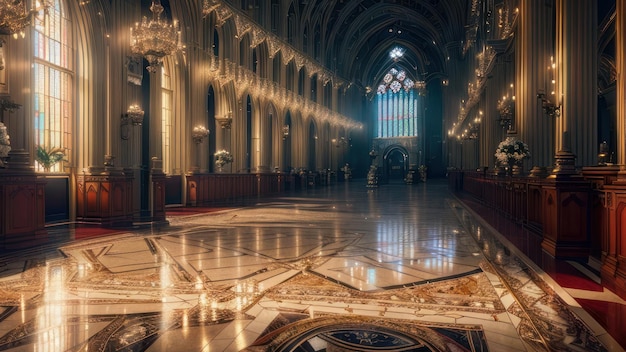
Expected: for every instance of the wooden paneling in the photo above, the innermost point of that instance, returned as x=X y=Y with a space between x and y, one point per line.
x=104 y=199
x=206 y=189
x=575 y=218
x=22 y=209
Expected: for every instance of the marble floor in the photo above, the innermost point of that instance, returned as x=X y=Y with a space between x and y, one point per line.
x=339 y=268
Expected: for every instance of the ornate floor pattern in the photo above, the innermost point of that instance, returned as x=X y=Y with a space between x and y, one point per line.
x=345 y=268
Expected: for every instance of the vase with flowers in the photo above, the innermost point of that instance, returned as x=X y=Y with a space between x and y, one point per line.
x=222 y=158
x=5 y=145
x=510 y=154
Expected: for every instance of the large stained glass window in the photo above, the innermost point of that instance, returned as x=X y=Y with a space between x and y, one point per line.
x=397 y=106
x=53 y=80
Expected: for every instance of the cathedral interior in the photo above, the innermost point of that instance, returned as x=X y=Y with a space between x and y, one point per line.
x=312 y=175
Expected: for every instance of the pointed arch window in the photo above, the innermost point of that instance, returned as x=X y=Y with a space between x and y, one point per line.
x=397 y=101
x=53 y=80
x=166 y=118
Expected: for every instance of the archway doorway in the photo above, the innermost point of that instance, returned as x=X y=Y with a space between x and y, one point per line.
x=396 y=164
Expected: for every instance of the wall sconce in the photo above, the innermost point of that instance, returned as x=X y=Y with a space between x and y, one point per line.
x=134 y=114
x=551 y=109
x=199 y=133
x=285 y=131
x=550 y=106
x=470 y=133
x=506 y=111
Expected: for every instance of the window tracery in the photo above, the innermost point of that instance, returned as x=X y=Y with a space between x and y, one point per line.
x=397 y=105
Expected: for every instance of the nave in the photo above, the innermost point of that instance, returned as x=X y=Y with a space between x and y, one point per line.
x=339 y=268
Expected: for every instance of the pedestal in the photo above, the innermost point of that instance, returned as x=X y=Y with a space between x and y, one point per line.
x=566 y=211
x=158 y=198
x=105 y=199
x=22 y=209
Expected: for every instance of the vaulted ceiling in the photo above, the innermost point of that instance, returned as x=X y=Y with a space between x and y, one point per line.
x=357 y=35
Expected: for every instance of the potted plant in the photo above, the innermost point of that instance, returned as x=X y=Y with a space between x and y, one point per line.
x=48 y=157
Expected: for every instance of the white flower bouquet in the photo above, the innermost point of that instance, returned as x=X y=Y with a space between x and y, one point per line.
x=511 y=149
x=223 y=157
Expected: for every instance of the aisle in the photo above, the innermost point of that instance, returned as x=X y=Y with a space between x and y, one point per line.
x=402 y=266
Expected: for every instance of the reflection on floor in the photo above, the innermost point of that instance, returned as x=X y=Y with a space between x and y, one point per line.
x=344 y=268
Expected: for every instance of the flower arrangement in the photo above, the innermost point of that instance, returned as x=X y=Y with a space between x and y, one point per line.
x=511 y=149
x=5 y=144
x=223 y=157
x=5 y=140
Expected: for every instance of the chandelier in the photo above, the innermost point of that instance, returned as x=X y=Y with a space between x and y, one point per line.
x=153 y=39
x=14 y=16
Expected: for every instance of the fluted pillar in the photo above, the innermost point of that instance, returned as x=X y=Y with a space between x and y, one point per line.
x=577 y=72
x=452 y=93
x=492 y=131
x=534 y=46
x=620 y=86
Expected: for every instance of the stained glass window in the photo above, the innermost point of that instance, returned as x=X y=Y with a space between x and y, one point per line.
x=166 y=117
x=53 y=80
x=397 y=106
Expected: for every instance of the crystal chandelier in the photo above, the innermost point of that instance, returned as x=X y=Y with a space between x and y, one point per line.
x=14 y=16
x=154 y=39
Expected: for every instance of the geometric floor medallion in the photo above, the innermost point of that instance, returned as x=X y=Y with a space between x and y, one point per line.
x=340 y=333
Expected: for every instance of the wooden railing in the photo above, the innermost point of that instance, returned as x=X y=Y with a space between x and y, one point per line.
x=207 y=189
x=579 y=217
x=518 y=198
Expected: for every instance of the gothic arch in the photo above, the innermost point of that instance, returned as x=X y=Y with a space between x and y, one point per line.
x=263 y=60
x=395 y=163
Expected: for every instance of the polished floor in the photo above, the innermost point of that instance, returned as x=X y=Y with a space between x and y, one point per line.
x=340 y=268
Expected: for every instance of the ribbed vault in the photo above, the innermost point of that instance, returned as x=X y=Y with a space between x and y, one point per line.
x=356 y=35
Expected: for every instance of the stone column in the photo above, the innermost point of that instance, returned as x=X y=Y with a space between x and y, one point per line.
x=620 y=86
x=576 y=80
x=533 y=48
